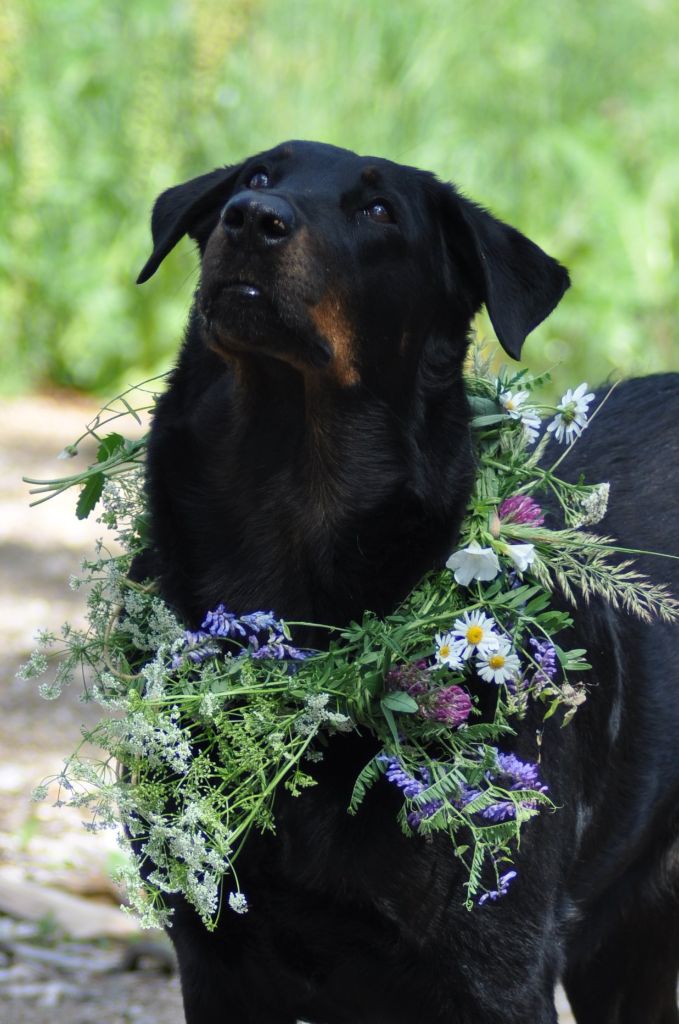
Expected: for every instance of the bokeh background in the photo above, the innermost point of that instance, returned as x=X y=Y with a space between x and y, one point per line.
x=561 y=117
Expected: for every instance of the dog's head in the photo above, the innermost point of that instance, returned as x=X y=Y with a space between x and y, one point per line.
x=344 y=266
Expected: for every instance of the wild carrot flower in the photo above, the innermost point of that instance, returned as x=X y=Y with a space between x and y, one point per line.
x=594 y=506
x=238 y=902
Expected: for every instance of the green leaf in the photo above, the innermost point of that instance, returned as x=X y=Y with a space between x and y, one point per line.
x=400 y=701
x=372 y=682
x=366 y=778
x=481 y=406
x=109 y=445
x=487 y=421
x=391 y=722
x=90 y=495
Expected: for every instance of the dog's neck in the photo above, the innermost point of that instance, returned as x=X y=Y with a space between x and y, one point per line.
x=310 y=494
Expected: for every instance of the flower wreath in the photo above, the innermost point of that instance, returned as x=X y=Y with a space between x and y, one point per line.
x=215 y=721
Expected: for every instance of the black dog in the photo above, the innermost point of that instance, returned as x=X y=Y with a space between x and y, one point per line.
x=312 y=455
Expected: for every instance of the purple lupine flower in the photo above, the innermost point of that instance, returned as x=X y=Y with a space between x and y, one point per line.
x=222 y=623
x=451 y=705
x=521 y=510
x=544 y=656
x=503 y=884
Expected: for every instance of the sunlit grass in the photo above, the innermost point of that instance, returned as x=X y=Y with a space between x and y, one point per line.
x=560 y=119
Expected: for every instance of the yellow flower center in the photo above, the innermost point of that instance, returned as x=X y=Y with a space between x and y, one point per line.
x=444 y=650
x=496 y=661
x=474 y=634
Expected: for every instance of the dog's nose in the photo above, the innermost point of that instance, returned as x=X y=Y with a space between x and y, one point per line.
x=264 y=220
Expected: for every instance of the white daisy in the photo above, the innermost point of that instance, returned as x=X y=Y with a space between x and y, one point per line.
x=499 y=664
x=571 y=417
x=475 y=631
x=513 y=406
x=531 y=424
x=512 y=403
x=473 y=563
x=522 y=555
x=448 y=650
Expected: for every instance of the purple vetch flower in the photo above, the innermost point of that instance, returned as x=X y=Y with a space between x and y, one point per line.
x=277 y=649
x=502 y=810
x=513 y=774
x=259 y=621
x=198 y=647
x=544 y=656
x=450 y=705
x=398 y=776
x=222 y=623
x=411 y=787
x=424 y=811
x=521 y=510
x=522 y=774
x=503 y=883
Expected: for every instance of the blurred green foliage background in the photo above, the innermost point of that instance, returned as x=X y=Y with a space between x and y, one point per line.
x=561 y=117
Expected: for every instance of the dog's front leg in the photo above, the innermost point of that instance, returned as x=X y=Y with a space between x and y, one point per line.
x=218 y=987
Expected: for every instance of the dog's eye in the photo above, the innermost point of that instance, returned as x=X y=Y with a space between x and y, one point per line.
x=379 y=212
x=260 y=179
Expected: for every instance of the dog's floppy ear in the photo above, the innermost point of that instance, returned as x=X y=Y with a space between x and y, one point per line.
x=520 y=284
x=187 y=209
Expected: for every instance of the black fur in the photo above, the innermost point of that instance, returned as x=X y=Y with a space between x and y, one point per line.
x=312 y=455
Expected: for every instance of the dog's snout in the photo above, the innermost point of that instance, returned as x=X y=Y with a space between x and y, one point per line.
x=260 y=219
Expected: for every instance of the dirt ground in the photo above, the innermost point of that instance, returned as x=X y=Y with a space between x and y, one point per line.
x=66 y=950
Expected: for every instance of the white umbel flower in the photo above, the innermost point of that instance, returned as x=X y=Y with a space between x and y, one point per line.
x=498 y=665
x=475 y=632
x=594 y=506
x=571 y=417
x=238 y=902
x=473 y=563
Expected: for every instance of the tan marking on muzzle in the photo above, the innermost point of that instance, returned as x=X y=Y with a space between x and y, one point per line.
x=330 y=322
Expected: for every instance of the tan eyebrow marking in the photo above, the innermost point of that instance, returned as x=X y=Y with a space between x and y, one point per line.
x=370 y=176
